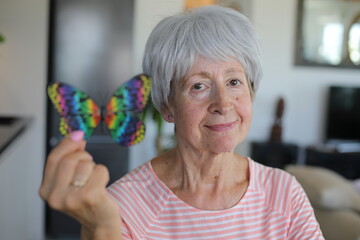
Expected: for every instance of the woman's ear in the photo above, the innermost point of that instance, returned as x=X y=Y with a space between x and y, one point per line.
x=170 y=118
x=167 y=115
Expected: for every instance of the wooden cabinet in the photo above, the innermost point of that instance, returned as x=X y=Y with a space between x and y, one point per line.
x=274 y=154
x=281 y=154
x=346 y=164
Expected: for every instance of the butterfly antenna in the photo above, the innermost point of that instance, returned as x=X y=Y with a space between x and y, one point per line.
x=102 y=123
x=105 y=97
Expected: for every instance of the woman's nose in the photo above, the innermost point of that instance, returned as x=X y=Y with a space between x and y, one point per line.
x=220 y=101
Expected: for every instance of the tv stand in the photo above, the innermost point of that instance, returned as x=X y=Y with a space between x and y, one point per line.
x=347 y=147
x=346 y=164
x=272 y=154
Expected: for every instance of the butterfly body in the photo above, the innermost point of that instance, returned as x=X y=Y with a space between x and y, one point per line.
x=122 y=114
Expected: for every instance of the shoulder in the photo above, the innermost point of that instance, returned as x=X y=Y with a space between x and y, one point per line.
x=137 y=183
x=139 y=174
x=283 y=195
x=140 y=197
x=277 y=186
x=264 y=177
x=139 y=177
x=138 y=190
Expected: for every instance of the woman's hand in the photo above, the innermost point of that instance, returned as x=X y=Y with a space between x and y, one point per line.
x=75 y=185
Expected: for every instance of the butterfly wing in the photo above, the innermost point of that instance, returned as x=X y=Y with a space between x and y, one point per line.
x=123 y=112
x=77 y=110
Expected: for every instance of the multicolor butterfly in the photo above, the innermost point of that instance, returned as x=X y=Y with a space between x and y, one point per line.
x=122 y=114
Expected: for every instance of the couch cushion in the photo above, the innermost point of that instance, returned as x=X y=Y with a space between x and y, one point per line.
x=339 y=224
x=325 y=188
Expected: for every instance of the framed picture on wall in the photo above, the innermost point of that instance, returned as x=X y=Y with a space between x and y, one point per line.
x=328 y=33
x=243 y=6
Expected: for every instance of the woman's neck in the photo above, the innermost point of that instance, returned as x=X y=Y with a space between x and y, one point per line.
x=203 y=179
x=204 y=167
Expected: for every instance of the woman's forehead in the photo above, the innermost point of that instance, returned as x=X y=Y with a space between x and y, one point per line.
x=206 y=67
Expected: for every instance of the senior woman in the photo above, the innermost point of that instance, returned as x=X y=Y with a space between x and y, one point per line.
x=205 y=66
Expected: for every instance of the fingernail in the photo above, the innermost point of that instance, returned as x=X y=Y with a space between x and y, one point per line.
x=77 y=135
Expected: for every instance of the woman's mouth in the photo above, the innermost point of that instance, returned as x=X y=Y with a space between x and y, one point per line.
x=221 y=127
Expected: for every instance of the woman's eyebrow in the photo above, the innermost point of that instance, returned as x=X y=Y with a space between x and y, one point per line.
x=234 y=70
x=201 y=74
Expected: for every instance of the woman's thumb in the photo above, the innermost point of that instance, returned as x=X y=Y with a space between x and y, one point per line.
x=78 y=136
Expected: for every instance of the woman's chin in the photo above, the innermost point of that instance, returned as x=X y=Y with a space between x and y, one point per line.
x=222 y=147
x=221 y=143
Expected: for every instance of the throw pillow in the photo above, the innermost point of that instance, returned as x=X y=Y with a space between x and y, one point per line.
x=325 y=188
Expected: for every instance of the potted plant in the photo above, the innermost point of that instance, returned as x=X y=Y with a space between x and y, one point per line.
x=162 y=142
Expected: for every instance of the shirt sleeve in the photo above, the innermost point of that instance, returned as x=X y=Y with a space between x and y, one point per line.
x=303 y=224
x=126 y=235
x=125 y=232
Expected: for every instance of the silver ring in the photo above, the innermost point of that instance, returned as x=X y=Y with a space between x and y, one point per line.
x=78 y=183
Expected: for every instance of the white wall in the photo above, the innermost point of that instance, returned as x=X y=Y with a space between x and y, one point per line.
x=22 y=92
x=303 y=88
x=147 y=15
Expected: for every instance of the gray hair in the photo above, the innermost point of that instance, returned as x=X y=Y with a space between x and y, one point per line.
x=212 y=32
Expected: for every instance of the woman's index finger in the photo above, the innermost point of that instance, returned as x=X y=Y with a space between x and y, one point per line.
x=65 y=147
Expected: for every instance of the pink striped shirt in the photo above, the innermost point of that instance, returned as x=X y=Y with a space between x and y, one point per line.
x=273 y=207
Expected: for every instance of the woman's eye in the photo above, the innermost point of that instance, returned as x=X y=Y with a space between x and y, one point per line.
x=234 y=82
x=198 y=86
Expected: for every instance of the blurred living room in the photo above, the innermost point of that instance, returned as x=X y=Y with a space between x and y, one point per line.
x=306 y=112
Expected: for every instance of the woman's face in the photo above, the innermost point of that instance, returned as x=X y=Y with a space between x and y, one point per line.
x=212 y=106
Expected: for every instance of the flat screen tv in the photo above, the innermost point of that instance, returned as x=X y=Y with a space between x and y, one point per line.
x=343 y=114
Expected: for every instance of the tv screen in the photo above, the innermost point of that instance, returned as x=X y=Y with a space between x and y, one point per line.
x=343 y=114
